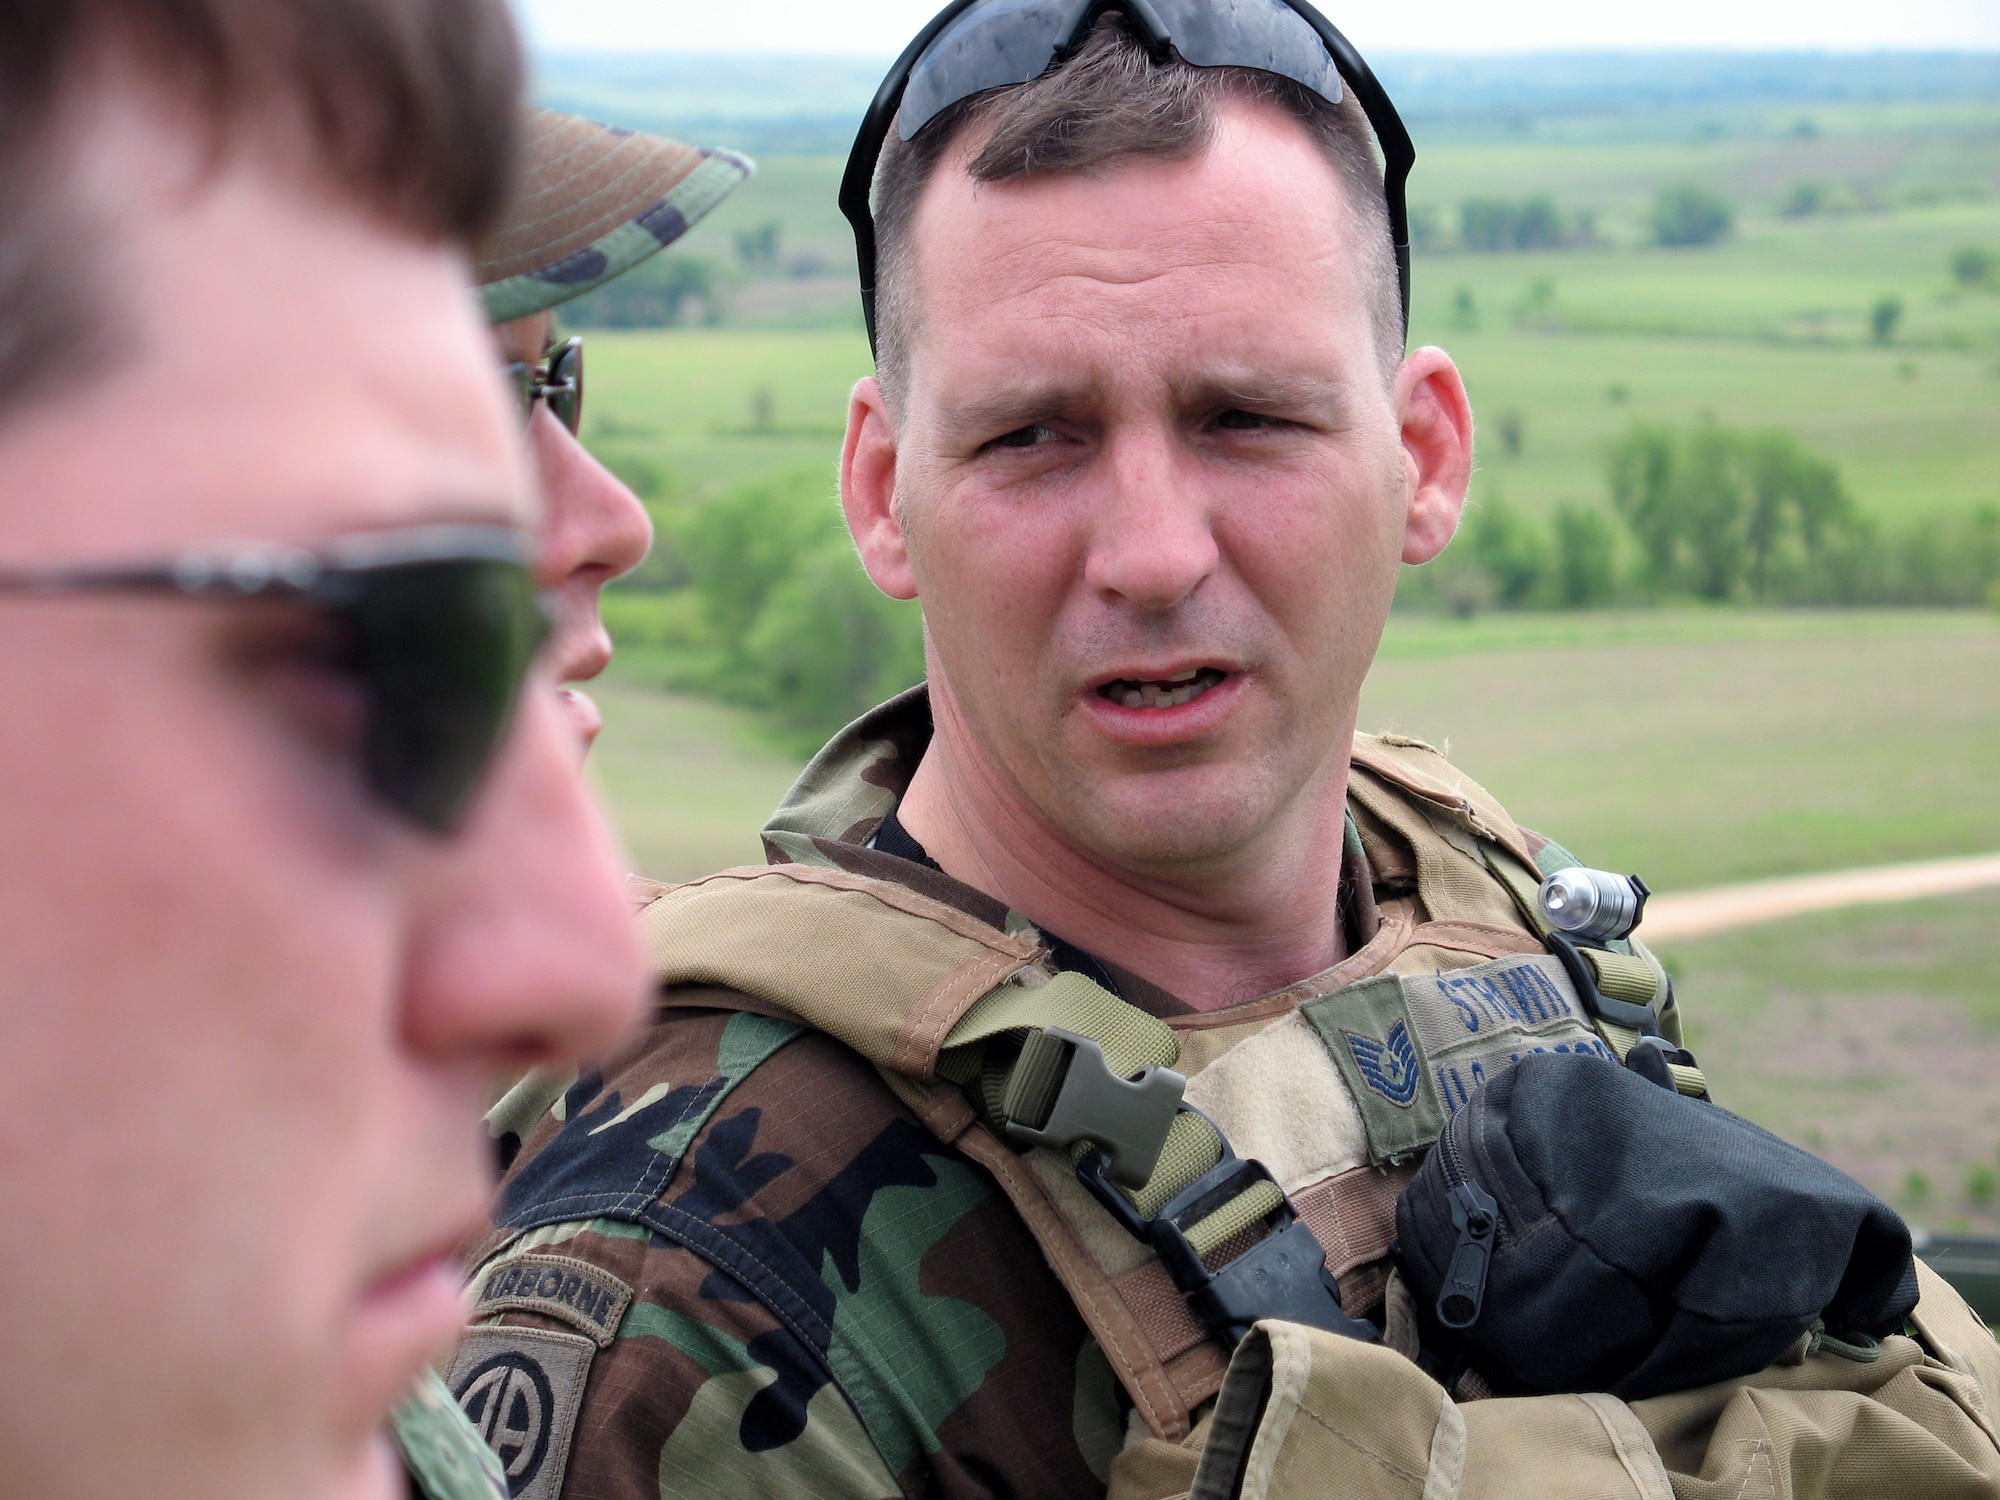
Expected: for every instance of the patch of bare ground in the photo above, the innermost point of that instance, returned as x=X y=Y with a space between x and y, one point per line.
x=1869 y=1036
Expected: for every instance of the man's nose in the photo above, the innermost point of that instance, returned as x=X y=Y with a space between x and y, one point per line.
x=525 y=952
x=594 y=525
x=1152 y=537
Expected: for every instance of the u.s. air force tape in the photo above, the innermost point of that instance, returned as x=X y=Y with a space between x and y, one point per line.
x=571 y=1291
x=522 y=1389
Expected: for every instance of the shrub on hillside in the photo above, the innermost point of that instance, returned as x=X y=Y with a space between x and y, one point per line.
x=1883 y=318
x=1586 y=558
x=1972 y=266
x=1535 y=223
x=797 y=628
x=1511 y=550
x=1686 y=213
x=1722 y=514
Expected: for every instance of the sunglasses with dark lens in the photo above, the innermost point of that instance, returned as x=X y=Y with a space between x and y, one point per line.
x=437 y=624
x=974 y=45
x=557 y=380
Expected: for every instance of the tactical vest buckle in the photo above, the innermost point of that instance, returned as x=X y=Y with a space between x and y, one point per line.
x=1126 y=1119
x=1640 y=1018
x=1282 y=1276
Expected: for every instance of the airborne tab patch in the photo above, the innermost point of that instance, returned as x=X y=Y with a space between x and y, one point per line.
x=522 y=1389
x=590 y=1300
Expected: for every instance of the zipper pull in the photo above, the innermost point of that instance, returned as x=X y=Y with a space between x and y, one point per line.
x=1476 y=1217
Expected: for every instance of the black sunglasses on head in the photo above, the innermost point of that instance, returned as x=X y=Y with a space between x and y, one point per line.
x=438 y=625
x=557 y=380
x=974 y=45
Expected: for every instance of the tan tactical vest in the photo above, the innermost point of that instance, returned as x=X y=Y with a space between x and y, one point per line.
x=1336 y=1086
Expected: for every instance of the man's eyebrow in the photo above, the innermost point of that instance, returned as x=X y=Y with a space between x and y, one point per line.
x=1285 y=391
x=1005 y=410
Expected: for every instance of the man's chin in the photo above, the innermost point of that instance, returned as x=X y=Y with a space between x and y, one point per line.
x=377 y=1473
x=1168 y=821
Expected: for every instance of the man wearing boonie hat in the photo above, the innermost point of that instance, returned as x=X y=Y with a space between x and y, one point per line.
x=596 y=201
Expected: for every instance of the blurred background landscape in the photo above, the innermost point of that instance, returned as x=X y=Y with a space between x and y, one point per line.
x=1726 y=605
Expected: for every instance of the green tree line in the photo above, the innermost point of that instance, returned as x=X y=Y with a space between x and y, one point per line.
x=1711 y=513
x=768 y=607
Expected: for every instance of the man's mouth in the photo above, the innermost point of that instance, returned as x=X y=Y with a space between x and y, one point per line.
x=1168 y=692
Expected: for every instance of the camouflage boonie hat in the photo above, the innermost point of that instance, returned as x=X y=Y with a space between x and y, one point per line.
x=596 y=200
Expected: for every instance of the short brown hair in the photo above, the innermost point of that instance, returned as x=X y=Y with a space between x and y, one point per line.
x=410 y=107
x=1110 y=102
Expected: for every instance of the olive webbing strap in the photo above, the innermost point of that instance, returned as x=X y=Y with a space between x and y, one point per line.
x=1246 y=1209
x=1623 y=976
x=1131 y=1039
x=1023 y=1087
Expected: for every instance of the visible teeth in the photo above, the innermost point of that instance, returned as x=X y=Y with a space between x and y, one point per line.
x=1184 y=687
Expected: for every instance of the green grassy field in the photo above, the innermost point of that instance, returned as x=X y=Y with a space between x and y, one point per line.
x=1769 y=328
x=1871 y=1037
x=1696 y=747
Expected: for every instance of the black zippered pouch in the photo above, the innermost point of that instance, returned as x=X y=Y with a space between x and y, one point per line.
x=1579 y=1228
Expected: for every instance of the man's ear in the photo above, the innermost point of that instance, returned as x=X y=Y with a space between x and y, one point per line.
x=868 y=491
x=1436 y=419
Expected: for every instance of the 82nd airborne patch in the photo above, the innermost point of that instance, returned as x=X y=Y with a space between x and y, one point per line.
x=522 y=1389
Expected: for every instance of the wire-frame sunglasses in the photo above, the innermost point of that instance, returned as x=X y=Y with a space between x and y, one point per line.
x=557 y=381
x=974 y=45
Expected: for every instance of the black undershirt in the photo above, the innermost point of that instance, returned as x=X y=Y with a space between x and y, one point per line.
x=893 y=838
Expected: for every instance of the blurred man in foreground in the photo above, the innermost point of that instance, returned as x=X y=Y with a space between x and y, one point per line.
x=294 y=866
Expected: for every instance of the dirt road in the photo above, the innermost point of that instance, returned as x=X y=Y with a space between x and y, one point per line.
x=1689 y=914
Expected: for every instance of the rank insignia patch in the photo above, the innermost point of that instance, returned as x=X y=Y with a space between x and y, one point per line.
x=1390 y=1066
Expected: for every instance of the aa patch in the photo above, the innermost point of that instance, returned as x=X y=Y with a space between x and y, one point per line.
x=1413 y=1047
x=522 y=1389
x=590 y=1300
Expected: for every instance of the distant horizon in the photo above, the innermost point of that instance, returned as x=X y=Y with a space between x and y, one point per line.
x=749 y=54
x=880 y=28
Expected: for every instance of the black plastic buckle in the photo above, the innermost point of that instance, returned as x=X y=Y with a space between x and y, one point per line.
x=1126 y=1118
x=1282 y=1276
x=1650 y=1056
x=1619 y=1012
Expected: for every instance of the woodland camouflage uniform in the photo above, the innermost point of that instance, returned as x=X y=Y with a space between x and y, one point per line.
x=734 y=1261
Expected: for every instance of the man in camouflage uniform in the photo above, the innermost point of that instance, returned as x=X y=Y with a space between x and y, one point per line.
x=1145 y=443
x=595 y=201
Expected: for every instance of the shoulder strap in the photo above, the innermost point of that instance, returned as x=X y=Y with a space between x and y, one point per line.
x=968 y=1027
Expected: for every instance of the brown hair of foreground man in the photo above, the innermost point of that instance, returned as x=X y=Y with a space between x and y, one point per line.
x=251 y=1003
x=407 y=106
